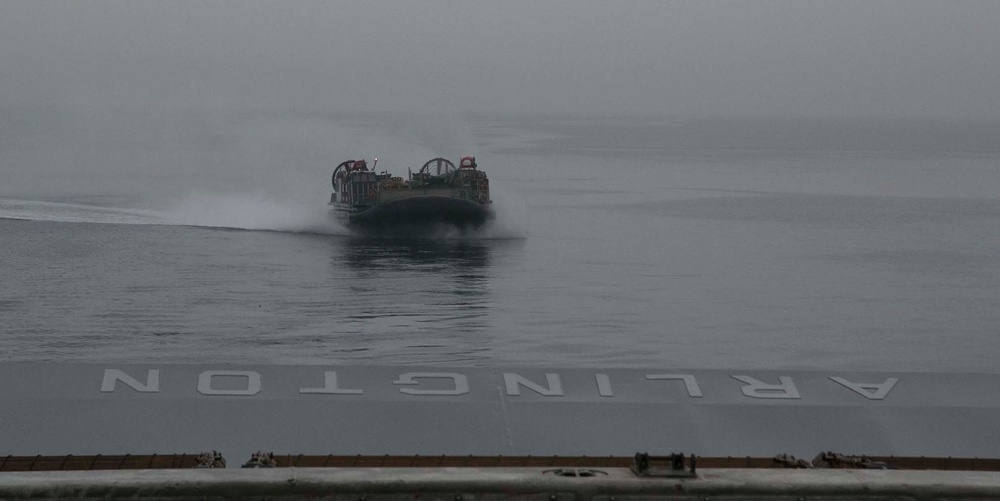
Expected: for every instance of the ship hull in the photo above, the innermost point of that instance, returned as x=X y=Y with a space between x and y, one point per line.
x=116 y=408
x=419 y=213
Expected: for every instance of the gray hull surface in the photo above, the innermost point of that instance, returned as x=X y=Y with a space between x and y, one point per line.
x=525 y=484
x=57 y=409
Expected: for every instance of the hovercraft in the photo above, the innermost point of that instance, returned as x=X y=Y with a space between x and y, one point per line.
x=438 y=195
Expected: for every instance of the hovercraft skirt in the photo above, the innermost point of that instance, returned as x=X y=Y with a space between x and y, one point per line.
x=422 y=211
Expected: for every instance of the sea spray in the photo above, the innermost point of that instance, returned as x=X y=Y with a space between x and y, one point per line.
x=252 y=212
x=511 y=220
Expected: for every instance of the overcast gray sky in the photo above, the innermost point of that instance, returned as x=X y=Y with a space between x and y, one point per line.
x=797 y=57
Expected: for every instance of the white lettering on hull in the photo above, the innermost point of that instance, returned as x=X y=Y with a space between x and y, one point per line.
x=755 y=388
x=330 y=386
x=604 y=385
x=252 y=379
x=249 y=383
x=871 y=391
x=460 y=382
x=690 y=383
x=112 y=376
x=514 y=382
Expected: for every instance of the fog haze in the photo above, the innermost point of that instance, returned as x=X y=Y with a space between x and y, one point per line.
x=789 y=58
x=702 y=184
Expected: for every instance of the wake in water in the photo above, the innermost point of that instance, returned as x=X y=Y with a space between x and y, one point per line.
x=61 y=212
x=244 y=212
x=210 y=211
x=261 y=213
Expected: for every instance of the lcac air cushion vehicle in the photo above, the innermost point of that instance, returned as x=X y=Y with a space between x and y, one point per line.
x=437 y=195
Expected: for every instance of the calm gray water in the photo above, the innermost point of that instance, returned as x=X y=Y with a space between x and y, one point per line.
x=197 y=236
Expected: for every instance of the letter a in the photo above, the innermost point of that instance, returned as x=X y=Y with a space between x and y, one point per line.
x=871 y=391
